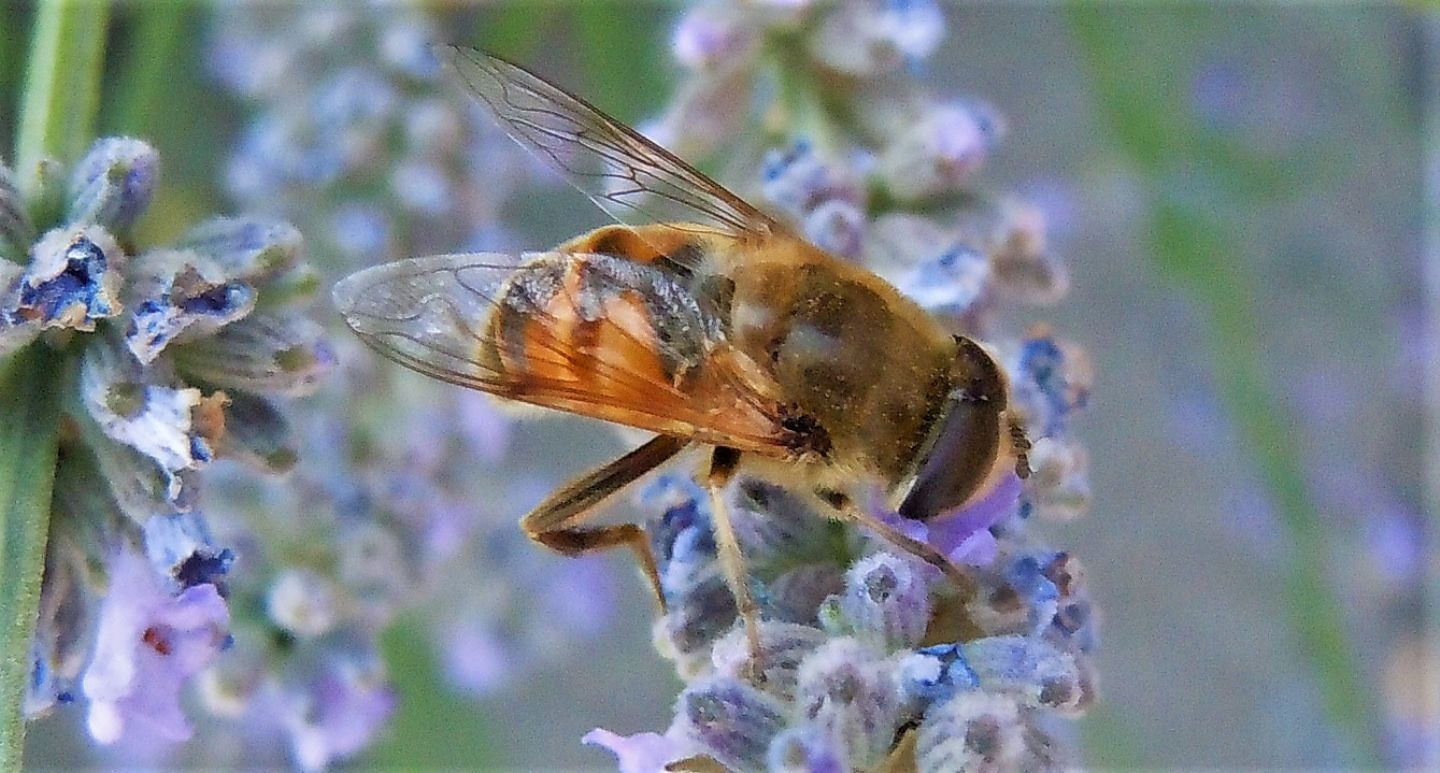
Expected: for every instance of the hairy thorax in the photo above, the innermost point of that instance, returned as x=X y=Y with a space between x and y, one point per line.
x=864 y=361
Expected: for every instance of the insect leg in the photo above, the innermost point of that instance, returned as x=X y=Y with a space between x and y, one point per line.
x=722 y=468
x=845 y=509
x=1020 y=443
x=555 y=523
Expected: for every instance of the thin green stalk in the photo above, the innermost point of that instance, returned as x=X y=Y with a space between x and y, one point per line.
x=62 y=84
x=1198 y=250
x=57 y=120
x=29 y=418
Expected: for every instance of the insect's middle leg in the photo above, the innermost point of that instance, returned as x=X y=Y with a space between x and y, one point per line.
x=722 y=468
x=556 y=522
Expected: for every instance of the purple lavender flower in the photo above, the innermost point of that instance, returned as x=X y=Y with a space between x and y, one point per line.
x=642 y=752
x=149 y=641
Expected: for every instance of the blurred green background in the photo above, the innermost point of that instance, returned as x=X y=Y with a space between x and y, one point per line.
x=1239 y=191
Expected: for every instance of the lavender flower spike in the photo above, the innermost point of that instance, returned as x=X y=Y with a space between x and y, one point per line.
x=871 y=658
x=128 y=331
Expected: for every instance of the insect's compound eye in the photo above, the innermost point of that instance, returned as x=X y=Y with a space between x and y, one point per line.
x=964 y=449
x=959 y=460
x=977 y=374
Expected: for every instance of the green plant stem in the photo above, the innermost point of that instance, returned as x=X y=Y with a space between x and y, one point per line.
x=146 y=76
x=62 y=84
x=62 y=89
x=804 y=111
x=29 y=421
x=1197 y=249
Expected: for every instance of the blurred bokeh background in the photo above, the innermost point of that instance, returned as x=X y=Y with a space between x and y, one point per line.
x=1239 y=191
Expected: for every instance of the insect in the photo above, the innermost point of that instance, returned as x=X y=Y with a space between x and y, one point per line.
x=702 y=319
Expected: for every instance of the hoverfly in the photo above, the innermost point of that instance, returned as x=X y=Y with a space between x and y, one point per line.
x=702 y=319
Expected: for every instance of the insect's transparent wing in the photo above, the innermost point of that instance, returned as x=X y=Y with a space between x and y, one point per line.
x=636 y=181
x=430 y=313
x=437 y=315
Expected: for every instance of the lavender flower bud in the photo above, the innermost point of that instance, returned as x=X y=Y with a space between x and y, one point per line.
x=180 y=549
x=1051 y=380
x=1059 y=484
x=113 y=183
x=283 y=355
x=796 y=595
x=782 y=647
x=140 y=487
x=837 y=226
x=846 y=689
x=712 y=36
x=73 y=280
x=1025 y=269
x=886 y=602
x=971 y=731
x=1074 y=625
x=806 y=750
x=775 y=524
x=176 y=428
x=956 y=283
x=935 y=673
x=246 y=249
x=61 y=644
x=186 y=299
x=15 y=331
x=939 y=151
x=1033 y=671
x=732 y=721
x=868 y=38
x=696 y=618
x=258 y=434
x=798 y=179
x=897 y=242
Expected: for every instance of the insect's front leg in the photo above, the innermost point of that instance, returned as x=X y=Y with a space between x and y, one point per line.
x=556 y=522
x=723 y=464
x=1020 y=444
x=845 y=509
